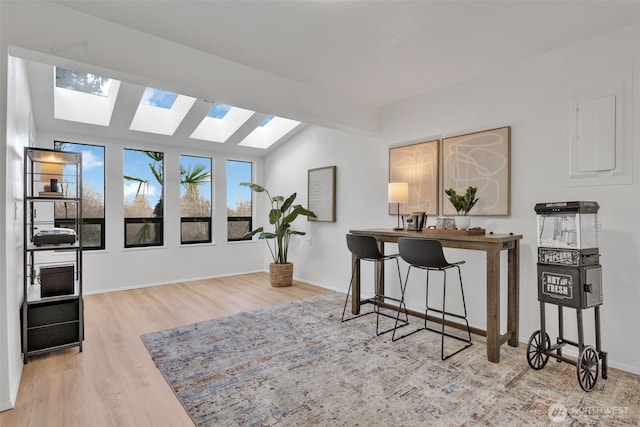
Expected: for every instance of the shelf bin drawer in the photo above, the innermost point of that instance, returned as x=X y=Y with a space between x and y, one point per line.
x=53 y=313
x=53 y=336
x=56 y=280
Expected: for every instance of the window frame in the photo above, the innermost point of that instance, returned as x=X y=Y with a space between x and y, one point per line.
x=159 y=240
x=86 y=222
x=249 y=219
x=192 y=219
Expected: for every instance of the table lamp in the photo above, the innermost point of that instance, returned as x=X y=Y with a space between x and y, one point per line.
x=398 y=193
x=51 y=173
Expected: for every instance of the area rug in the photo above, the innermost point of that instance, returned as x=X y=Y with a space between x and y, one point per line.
x=297 y=364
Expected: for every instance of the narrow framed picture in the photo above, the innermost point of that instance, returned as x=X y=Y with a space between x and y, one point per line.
x=321 y=193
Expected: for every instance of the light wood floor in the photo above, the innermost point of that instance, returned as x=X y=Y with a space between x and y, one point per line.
x=114 y=382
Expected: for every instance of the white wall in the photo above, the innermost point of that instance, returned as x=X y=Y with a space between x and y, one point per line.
x=533 y=98
x=117 y=268
x=18 y=127
x=360 y=172
x=52 y=32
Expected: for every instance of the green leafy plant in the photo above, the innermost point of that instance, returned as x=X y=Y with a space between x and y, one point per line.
x=462 y=203
x=283 y=212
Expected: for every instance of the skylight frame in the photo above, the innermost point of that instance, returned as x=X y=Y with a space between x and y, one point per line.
x=84 y=107
x=220 y=130
x=267 y=134
x=160 y=120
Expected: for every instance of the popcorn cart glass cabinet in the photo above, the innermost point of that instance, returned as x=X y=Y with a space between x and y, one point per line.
x=569 y=275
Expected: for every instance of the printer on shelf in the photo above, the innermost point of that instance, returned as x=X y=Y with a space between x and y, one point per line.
x=54 y=236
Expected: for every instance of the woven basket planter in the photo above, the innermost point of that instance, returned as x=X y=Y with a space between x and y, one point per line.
x=281 y=274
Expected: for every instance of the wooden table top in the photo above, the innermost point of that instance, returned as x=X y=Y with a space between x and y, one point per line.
x=440 y=235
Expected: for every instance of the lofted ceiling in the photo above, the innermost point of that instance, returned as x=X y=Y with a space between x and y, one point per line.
x=369 y=53
x=124 y=122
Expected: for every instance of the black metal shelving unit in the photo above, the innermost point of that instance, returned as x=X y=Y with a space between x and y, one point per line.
x=52 y=305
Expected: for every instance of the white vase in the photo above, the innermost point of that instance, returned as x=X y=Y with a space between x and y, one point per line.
x=462 y=222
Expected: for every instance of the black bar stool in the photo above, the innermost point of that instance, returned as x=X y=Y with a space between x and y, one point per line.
x=366 y=248
x=428 y=255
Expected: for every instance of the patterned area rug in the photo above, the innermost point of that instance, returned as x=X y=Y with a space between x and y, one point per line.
x=297 y=364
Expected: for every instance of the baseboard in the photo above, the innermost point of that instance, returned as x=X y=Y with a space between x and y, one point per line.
x=573 y=352
x=5 y=406
x=11 y=403
x=193 y=279
x=172 y=282
x=320 y=285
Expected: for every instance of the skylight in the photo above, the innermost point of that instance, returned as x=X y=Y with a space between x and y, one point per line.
x=83 y=97
x=90 y=98
x=82 y=82
x=266 y=121
x=218 y=111
x=221 y=122
x=158 y=98
x=161 y=112
x=269 y=132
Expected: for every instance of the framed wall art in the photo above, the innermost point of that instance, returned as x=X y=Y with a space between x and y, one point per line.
x=482 y=160
x=321 y=193
x=416 y=164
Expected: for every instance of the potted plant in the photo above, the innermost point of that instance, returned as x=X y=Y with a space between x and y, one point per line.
x=462 y=204
x=283 y=212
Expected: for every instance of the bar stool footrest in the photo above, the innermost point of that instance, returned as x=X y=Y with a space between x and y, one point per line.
x=446 y=313
x=446 y=334
x=358 y=315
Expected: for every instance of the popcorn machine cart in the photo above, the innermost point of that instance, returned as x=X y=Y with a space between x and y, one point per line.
x=569 y=275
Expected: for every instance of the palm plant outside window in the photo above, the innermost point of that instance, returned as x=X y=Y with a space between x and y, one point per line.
x=195 y=199
x=144 y=198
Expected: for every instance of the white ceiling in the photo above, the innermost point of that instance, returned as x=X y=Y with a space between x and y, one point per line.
x=371 y=53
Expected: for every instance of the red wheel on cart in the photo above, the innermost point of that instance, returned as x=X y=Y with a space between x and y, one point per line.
x=588 y=367
x=537 y=350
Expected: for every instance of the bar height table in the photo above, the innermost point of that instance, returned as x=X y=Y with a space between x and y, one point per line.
x=493 y=245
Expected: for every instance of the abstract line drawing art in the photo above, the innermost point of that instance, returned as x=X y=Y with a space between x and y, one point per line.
x=416 y=164
x=482 y=160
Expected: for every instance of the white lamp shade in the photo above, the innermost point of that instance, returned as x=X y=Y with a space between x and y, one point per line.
x=50 y=171
x=398 y=192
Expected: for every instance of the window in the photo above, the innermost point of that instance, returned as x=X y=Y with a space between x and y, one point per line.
x=158 y=98
x=160 y=111
x=271 y=130
x=221 y=122
x=93 y=226
x=195 y=199
x=143 y=198
x=83 y=82
x=239 y=220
